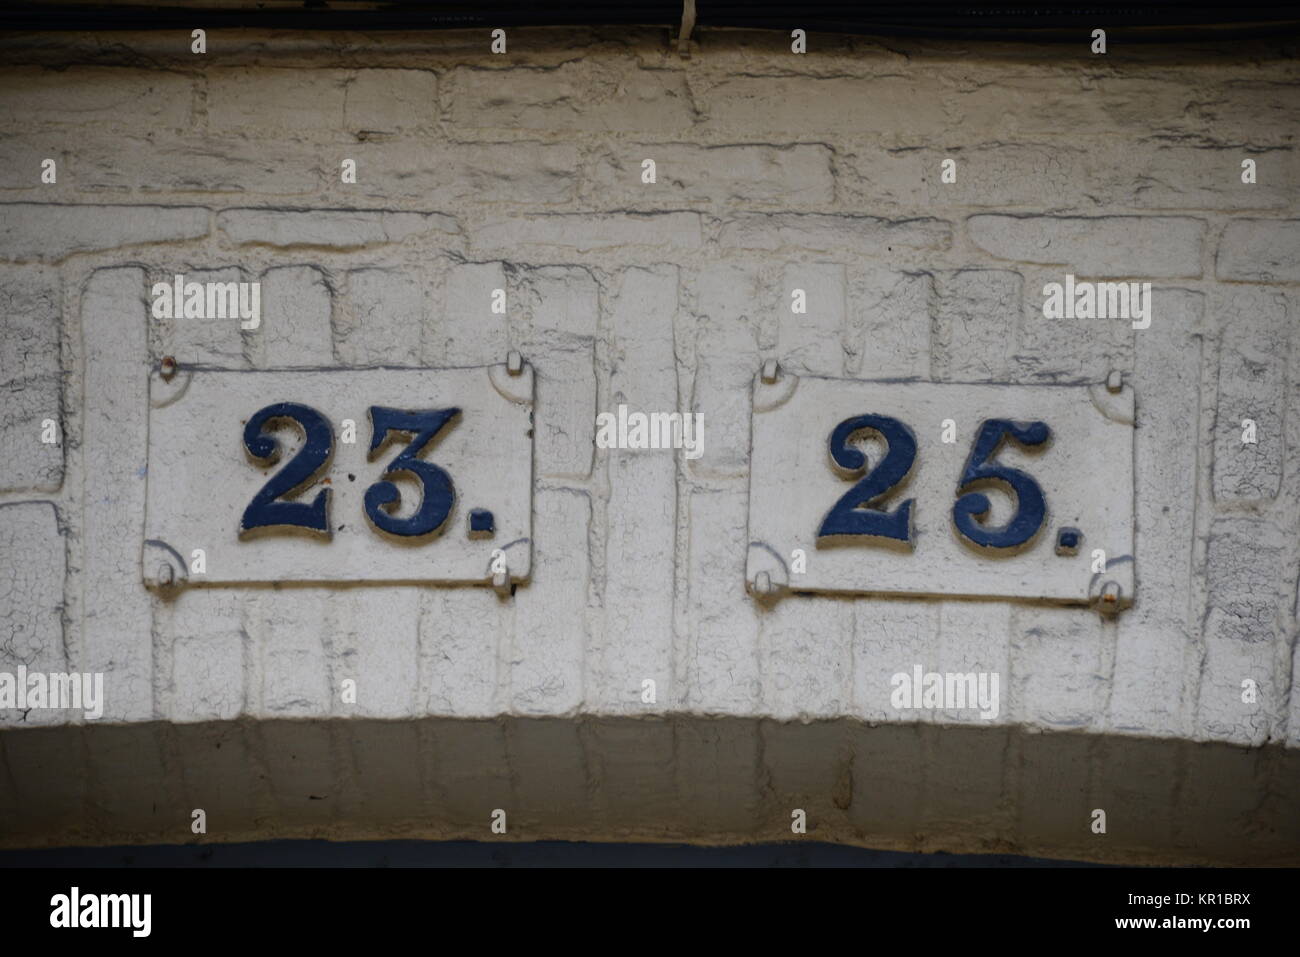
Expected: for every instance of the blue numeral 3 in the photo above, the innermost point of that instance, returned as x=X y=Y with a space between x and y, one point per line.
x=437 y=494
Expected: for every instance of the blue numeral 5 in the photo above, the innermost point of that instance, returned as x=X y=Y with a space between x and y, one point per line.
x=1031 y=508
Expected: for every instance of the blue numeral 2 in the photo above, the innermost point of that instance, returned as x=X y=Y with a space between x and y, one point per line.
x=266 y=510
x=856 y=514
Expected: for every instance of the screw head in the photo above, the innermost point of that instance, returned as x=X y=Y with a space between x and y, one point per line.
x=167 y=368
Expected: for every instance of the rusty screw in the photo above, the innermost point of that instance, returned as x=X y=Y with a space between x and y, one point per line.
x=167 y=368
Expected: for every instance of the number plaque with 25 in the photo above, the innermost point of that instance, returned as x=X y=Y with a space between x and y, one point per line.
x=1030 y=497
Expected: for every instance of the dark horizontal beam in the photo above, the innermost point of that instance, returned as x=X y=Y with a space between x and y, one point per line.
x=1150 y=20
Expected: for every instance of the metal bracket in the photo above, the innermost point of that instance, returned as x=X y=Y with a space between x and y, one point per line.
x=688 y=24
x=1111 y=591
x=766 y=577
x=162 y=567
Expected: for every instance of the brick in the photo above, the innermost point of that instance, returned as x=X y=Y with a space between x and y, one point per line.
x=642 y=507
x=588 y=232
x=441 y=173
x=1136 y=781
x=31 y=370
x=721 y=667
x=813 y=342
x=46 y=232
x=805 y=660
x=75 y=95
x=573 y=97
x=1246 y=821
x=1055 y=801
x=1260 y=250
x=301 y=769
x=727 y=359
x=720 y=759
x=386 y=310
x=130 y=801
x=1244 y=555
x=1060 y=658
x=815 y=231
x=210 y=341
x=389 y=782
x=21 y=159
x=1244 y=632
x=460 y=633
x=796 y=106
x=373 y=640
x=971 y=786
x=467 y=331
x=287 y=630
x=1229 y=662
x=330 y=228
x=1077 y=350
x=207 y=655
x=889 y=324
x=224 y=165
x=973 y=310
x=976 y=638
x=888 y=778
x=1149 y=674
x=213 y=774
x=1171 y=177
x=297 y=306
x=33 y=566
x=50 y=786
x=562 y=299
x=633 y=756
x=889 y=638
x=564 y=422
x=1245 y=628
x=1112 y=247
x=116 y=635
x=391 y=101
x=283 y=100
x=550 y=633
x=549 y=762
x=807 y=767
x=718 y=176
x=472 y=773
x=1252 y=374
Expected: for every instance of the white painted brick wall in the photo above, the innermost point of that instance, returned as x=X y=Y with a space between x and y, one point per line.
x=775 y=172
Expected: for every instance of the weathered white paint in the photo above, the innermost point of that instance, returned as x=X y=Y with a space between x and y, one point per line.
x=521 y=172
